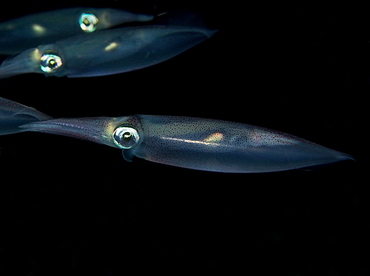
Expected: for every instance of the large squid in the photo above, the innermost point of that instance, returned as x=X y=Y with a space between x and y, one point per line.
x=193 y=143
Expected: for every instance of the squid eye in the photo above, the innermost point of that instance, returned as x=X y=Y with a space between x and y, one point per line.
x=125 y=137
x=50 y=62
x=88 y=22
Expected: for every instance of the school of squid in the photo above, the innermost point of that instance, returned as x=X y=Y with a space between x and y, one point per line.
x=93 y=42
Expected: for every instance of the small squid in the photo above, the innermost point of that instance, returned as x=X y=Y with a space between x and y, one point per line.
x=20 y=34
x=106 y=52
x=193 y=143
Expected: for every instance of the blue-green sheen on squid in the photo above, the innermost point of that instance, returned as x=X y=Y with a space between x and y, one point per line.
x=106 y=52
x=20 y=34
x=193 y=143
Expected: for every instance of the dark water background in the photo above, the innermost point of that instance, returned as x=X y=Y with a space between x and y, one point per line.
x=70 y=207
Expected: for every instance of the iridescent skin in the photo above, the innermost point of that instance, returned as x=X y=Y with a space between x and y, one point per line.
x=20 y=34
x=193 y=143
x=106 y=52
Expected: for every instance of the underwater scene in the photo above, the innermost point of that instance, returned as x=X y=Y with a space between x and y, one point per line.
x=210 y=137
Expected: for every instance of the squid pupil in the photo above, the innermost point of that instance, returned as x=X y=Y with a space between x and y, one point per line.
x=127 y=137
x=86 y=22
x=52 y=63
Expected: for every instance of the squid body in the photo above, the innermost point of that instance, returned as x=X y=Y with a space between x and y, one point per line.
x=193 y=143
x=106 y=52
x=20 y=34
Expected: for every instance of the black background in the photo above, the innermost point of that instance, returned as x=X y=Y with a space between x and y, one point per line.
x=70 y=207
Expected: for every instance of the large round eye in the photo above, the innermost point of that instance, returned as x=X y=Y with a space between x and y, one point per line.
x=50 y=62
x=125 y=137
x=88 y=22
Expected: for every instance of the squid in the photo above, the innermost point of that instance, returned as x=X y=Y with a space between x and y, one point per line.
x=20 y=34
x=106 y=52
x=192 y=143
